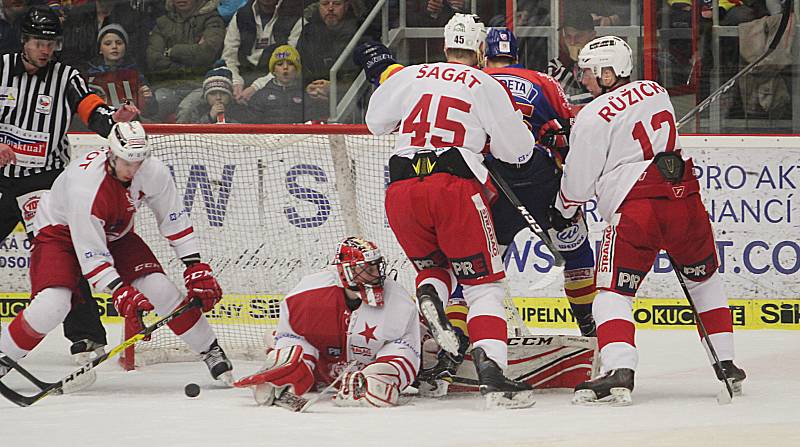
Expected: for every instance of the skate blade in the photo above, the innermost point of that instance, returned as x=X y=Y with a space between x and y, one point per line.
x=724 y=397
x=80 y=382
x=263 y=394
x=737 y=387
x=509 y=400
x=436 y=388
x=619 y=397
x=226 y=379
x=446 y=338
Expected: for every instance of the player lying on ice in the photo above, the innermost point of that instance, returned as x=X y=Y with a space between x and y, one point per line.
x=348 y=319
x=84 y=226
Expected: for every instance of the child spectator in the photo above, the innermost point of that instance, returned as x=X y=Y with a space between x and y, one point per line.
x=282 y=100
x=218 y=92
x=114 y=76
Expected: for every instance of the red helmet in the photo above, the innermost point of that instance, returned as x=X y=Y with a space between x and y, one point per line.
x=355 y=259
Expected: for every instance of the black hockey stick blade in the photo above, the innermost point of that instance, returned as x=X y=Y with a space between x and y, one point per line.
x=505 y=189
x=76 y=376
x=787 y=11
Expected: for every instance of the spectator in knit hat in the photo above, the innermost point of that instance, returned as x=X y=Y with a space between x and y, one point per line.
x=217 y=91
x=282 y=100
x=114 y=75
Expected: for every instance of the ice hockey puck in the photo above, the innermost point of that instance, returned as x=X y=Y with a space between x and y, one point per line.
x=192 y=390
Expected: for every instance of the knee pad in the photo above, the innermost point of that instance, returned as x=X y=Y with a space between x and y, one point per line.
x=48 y=309
x=161 y=292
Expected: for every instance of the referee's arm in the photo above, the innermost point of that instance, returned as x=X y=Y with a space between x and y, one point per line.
x=92 y=110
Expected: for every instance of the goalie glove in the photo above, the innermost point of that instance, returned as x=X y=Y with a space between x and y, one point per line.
x=374 y=386
x=283 y=368
x=200 y=283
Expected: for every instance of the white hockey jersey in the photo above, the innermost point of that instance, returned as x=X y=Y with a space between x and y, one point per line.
x=91 y=208
x=612 y=142
x=444 y=105
x=315 y=316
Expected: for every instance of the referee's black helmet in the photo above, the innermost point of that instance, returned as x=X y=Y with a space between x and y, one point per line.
x=41 y=22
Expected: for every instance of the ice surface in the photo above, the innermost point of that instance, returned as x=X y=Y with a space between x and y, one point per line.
x=674 y=405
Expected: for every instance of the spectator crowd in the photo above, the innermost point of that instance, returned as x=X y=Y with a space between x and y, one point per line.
x=269 y=61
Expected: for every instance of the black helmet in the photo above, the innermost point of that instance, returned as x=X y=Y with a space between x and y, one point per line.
x=41 y=22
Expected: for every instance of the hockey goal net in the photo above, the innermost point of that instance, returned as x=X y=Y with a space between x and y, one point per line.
x=268 y=205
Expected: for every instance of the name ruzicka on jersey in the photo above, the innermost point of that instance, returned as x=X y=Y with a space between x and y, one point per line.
x=449 y=74
x=628 y=95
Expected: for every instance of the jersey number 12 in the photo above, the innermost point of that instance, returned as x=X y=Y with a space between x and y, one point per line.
x=640 y=134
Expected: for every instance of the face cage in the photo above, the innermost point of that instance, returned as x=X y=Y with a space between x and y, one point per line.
x=370 y=293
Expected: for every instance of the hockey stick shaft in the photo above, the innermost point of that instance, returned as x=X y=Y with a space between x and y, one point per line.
x=787 y=10
x=505 y=188
x=701 y=326
x=53 y=388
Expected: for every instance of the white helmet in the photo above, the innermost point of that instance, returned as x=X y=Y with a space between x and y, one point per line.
x=607 y=51
x=128 y=141
x=464 y=31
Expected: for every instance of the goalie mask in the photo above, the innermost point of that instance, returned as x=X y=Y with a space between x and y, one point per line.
x=361 y=268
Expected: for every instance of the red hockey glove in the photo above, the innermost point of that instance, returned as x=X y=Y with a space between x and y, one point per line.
x=201 y=284
x=284 y=367
x=128 y=301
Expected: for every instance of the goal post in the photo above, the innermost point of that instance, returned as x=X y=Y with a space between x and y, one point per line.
x=268 y=204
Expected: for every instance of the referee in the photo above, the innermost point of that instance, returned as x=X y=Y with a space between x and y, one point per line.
x=38 y=97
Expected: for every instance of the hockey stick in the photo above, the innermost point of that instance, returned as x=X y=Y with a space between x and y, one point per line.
x=722 y=398
x=787 y=11
x=505 y=188
x=65 y=383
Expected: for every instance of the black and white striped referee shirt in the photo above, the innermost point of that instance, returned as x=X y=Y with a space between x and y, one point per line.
x=36 y=111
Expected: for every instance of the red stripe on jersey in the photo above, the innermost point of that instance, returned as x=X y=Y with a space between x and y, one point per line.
x=97 y=270
x=23 y=334
x=183 y=233
x=717 y=320
x=615 y=331
x=568 y=202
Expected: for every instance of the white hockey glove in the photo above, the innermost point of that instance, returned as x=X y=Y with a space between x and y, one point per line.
x=283 y=368
x=377 y=385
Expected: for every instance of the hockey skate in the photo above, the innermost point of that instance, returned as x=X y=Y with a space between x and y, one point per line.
x=734 y=374
x=613 y=388
x=498 y=390
x=84 y=351
x=218 y=364
x=432 y=310
x=434 y=381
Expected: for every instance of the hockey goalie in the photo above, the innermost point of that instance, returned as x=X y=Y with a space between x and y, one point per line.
x=349 y=325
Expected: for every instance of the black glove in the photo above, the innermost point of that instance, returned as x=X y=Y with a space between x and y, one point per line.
x=374 y=58
x=557 y=221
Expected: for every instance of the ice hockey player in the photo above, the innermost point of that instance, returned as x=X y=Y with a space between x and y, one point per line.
x=547 y=114
x=347 y=319
x=438 y=198
x=624 y=148
x=84 y=225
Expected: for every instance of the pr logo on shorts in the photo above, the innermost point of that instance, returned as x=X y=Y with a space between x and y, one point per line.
x=471 y=267
x=628 y=281
x=700 y=270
